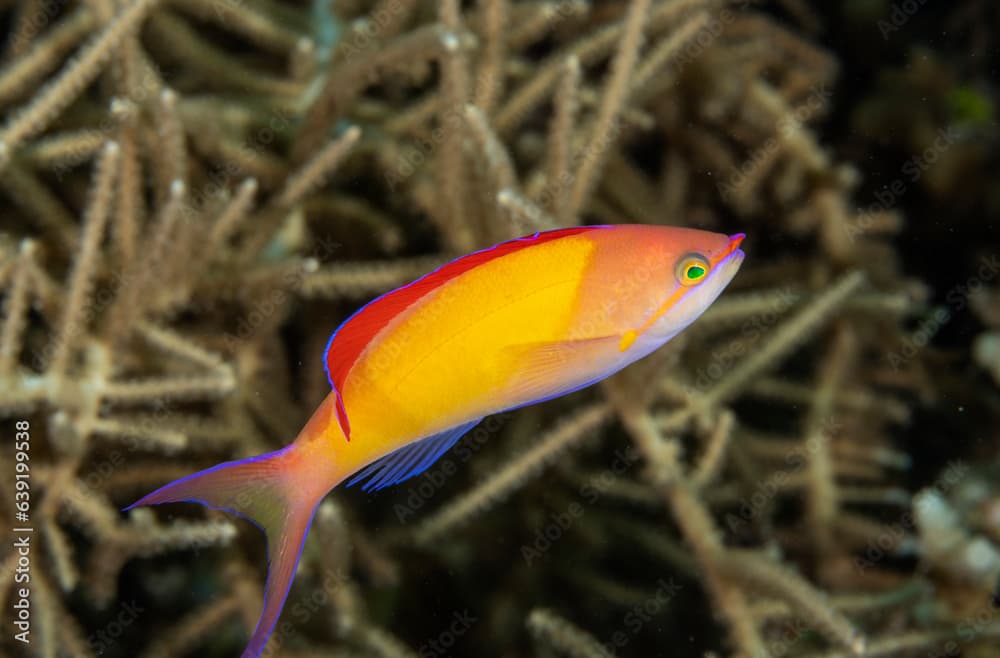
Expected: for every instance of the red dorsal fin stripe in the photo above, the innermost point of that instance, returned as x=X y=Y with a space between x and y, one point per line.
x=351 y=338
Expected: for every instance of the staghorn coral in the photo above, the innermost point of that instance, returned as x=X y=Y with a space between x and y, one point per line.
x=194 y=195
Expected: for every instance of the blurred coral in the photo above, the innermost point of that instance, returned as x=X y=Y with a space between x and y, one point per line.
x=196 y=194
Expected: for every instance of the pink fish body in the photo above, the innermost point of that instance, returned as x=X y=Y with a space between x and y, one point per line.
x=412 y=371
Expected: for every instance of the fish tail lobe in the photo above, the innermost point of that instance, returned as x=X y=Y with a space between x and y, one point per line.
x=277 y=491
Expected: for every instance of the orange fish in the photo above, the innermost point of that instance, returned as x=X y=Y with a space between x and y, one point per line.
x=412 y=371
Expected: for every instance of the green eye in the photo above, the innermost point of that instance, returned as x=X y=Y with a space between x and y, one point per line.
x=691 y=269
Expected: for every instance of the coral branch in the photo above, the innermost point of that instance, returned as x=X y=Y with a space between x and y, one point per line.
x=564 y=636
x=515 y=474
x=72 y=80
x=73 y=322
x=613 y=99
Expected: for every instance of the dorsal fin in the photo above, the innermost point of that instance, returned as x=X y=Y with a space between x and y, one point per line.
x=351 y=338
x=409 y=461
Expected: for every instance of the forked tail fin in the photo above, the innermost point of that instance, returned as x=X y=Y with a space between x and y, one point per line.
x=278 y=492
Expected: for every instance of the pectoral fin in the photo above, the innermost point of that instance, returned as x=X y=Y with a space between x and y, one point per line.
x=543 y=371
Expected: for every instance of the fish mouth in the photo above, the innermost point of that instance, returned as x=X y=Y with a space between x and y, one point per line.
x=732 y=250
x=732 y=255
x=729 y=261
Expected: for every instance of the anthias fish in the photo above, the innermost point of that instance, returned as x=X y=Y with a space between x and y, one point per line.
x=412 y=371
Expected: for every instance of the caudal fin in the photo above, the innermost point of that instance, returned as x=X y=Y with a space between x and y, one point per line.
x=276 y=493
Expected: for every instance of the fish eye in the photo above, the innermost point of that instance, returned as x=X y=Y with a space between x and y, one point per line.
x=691 y=269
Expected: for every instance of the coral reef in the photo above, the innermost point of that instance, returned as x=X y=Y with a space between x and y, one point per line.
x=195 y=194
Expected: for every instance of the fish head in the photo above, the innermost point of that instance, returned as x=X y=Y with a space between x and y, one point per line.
x=698 y=265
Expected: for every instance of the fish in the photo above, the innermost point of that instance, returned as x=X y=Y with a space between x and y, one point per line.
x=412 y=371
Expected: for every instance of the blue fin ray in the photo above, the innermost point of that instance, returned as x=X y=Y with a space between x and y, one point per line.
x=410 y=460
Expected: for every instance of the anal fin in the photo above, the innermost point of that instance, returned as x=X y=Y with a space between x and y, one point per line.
x=411 y=460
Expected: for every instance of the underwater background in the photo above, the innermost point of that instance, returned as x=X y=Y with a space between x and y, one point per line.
x=195 y=193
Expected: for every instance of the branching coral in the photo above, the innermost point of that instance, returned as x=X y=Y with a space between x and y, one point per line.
x=194 y=197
